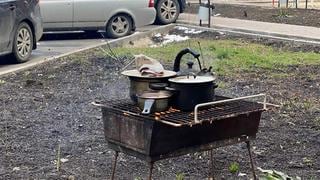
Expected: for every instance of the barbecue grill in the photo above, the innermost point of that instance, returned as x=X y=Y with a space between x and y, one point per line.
x=172 y=133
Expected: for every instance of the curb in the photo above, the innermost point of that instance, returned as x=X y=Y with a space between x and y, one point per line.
x=111 y=43
x=252 y=33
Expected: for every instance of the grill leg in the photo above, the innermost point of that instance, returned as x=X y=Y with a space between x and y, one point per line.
x=211 y=175
x=114 y=164
x=251 y=160
x=150 y=170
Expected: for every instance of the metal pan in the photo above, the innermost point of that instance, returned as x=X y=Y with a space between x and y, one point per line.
x=154 y=101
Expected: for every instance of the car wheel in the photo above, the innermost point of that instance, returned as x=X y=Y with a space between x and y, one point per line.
x=119 y=26
x=23 y=43
x=167 y=11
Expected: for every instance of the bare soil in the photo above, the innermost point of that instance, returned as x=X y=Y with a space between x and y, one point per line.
x=304 y=17
x=49 y=106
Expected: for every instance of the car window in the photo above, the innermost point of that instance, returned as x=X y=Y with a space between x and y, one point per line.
x=4 y=1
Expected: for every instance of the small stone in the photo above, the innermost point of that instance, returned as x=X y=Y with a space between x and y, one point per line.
x=63 y=160
x=71 y=177
x=242 y=174
x=16 y=169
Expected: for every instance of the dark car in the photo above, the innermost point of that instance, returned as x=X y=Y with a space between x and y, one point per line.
x=20 y=28
x=168 y=10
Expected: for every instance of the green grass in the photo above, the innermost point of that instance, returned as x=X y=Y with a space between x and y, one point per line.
x=234 y=168
x=230 y=56
x=180 y=176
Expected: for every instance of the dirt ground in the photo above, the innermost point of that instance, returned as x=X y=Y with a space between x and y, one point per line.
x=49 y=107
x=304 y=17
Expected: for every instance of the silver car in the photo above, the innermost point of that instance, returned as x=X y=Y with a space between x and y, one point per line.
x=117 y=17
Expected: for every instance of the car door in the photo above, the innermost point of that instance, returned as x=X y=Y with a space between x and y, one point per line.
x=56 y=14
x=93 y=13
x=7 y=21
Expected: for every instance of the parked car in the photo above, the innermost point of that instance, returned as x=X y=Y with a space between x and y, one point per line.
x=168 y=10
x=117 y=18
x=20 y=28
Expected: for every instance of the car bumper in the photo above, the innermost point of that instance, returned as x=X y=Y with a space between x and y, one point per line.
x=38 y=30
x=183 y=5
x=37 y=22
x=145 y=17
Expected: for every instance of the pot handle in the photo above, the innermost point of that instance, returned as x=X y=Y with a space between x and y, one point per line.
x=148 y=103
x=162 y=86
x=158 y=86
x=173 y=90
x=215 y=86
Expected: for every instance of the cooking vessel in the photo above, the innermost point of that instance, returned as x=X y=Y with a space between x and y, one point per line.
x=154 y=101
x=189 y=90
x=140 y=83
x=203 y=70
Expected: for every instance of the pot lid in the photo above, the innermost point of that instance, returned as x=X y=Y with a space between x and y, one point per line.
x=136 y=73
x=192 y=79
x=155 y=95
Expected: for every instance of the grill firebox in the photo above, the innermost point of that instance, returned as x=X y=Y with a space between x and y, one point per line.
x=173 y=133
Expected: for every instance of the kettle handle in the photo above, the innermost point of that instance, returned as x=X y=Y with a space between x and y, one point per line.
x=176 y=66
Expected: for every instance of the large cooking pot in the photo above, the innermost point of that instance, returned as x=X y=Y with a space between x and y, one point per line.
x=140 y=83
x=189 y=90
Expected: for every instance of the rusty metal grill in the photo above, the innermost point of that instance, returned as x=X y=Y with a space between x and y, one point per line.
x=179 y=118
x=172 y=133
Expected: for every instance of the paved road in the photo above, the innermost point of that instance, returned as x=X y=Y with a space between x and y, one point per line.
x=55 y=44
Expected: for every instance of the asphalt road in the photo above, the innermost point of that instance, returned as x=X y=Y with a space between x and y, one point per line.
x=56 y=44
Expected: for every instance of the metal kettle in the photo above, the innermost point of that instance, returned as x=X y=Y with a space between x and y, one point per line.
x=196 y=55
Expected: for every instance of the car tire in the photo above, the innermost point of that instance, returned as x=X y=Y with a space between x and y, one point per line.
x=119 y=25
x=167 y=11
x=22 y=43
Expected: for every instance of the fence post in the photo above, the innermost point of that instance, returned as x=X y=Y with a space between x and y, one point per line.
x=306 y=4
x=209 y=23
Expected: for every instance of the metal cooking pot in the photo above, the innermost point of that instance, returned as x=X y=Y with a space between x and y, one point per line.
x=189 y=90
x=154 y=101
x=140 y=83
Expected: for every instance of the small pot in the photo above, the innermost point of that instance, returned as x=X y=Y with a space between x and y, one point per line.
x=189 y=90
x=139 y=83
x=154 y=101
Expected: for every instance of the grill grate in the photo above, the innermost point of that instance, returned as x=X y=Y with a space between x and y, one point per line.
x=178 y=118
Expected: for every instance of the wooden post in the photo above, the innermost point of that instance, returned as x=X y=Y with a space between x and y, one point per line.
x=296 y=4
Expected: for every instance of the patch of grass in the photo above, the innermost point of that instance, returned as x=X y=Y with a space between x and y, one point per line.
x=222 y=85
x=281 y=75
x=234 y=168
x=180 y=176
x=283 y=13
x=307 y=161
x=58 y=165
x=223 y=53
x=230 y=56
